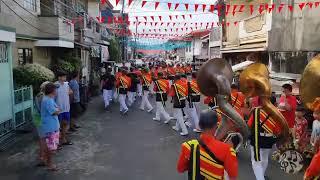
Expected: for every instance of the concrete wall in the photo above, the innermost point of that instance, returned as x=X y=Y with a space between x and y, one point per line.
x=296 y=31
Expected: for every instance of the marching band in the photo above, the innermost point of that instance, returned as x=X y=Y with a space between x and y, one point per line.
x=265 y=129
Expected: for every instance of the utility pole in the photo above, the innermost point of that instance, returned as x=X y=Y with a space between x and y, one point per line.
x=124 y=28
x=135 y=56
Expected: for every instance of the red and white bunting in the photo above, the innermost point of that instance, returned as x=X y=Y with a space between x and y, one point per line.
x=143 y=3
x=187 y=6
x=169 y=6
x=117 y=2
x=156 y=5
x=160 y=18
x=129 y=2
x=204 y=7
x=196 y=7
x=176 y=6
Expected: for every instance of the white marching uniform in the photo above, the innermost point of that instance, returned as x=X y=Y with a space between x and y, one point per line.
x=107 y=97
x=131 y=98
x=192 y=111
x=122 y=101
x=161 y=112
x=145 y=101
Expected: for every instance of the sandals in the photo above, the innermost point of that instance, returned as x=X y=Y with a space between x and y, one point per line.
x=67 y=143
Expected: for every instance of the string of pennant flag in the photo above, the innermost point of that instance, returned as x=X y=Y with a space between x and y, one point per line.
x=229 y=9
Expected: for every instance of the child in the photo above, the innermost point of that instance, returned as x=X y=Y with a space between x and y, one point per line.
x=300 y=128
x=315 y=135
x=49 y=127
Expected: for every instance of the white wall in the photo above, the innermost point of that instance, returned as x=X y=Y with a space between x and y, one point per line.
x=93 y=8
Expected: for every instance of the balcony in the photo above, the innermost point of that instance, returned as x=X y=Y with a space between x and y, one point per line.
x=55 y=32
x=250 y=35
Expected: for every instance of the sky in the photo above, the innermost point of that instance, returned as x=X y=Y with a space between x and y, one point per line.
x=162 y=10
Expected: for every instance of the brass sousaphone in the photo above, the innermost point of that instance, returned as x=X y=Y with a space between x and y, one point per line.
x=214 y=79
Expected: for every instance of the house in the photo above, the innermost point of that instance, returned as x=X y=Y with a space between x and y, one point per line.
x=193 y=52
x=215 y=43
x=284 y=41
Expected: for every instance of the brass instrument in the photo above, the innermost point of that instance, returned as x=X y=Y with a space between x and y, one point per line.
x=310 y=82
x=254 y=81
x=214 y=79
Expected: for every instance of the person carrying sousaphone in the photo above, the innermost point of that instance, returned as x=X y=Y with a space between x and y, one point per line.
x=179 y=92
x=266 y=123
x=161 y=89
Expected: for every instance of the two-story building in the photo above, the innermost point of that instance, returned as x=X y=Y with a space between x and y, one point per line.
x=193 y=52
x=215 y=43
x=284 y=41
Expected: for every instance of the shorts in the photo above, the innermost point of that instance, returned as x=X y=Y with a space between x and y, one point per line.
x=74 y=110
x=65 y=116
x=52 y=140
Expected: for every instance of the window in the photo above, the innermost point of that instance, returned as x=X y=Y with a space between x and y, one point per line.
x=3 y=53
x=24 y=56
x=30 y=4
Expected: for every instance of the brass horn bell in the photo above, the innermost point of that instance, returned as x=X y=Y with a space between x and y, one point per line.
x=310 y=82
x=214 y=79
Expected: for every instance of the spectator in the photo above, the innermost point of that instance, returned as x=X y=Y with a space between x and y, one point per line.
x=300 y=128
x=287 y=105
x=37 y=121
x=49 y=127
x=63 y=102
x=75 y=101
x=273 y=99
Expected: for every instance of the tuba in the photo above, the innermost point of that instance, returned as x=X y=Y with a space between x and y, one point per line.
x=309 y=85
x=254 y=81
x=214 y=79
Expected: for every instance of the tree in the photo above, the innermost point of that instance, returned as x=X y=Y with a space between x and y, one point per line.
x=115 y=50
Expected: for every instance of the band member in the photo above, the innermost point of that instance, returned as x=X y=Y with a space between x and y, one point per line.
x=193 y=101
x=161 y=88
x=107 y=85
x=237 y=99
x=146 y=80
x=264 y=131
x=188 y=69
x=179 y=92
x=139 y=85
x=123 y=84
x=210 y=101
x=117 y=76
x=171 y=73
x=133 y=88
x=202 y=159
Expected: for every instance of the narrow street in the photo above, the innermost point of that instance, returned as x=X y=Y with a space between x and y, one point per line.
x=110 y=146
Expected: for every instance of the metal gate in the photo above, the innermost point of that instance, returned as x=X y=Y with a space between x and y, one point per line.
x=6 y=90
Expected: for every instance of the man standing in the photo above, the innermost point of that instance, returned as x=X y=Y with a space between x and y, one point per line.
x=123 y=84
x=287 y=105
x=63 y=101
x=208 y=158
x=193 y=101
x=179 y=92
x=75 y=101
x=161 y=88
x=146 y=82
x=264 y=131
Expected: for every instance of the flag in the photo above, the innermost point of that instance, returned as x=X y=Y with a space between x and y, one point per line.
x=211 y=8
x=176 y=6
x=301 y=6
x=204 y=7
x=156 y=5
x=117 y=2
x=187 y=6
x=129 y=2
x=143 y=3
x=169 y=6
x=160 y=18
x=196 y=7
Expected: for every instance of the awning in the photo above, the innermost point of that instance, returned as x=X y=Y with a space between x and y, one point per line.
x=241 y=66
x=279 y=79
x=54 y=43
x=7 y=36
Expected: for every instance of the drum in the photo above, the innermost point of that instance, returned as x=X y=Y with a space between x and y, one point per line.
x=291 y=161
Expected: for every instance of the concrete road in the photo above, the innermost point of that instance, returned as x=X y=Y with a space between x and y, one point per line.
x=114 y=147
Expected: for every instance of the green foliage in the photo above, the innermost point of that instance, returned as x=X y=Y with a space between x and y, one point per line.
x=115 y=50
x=68 y=64
x=32 y=74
